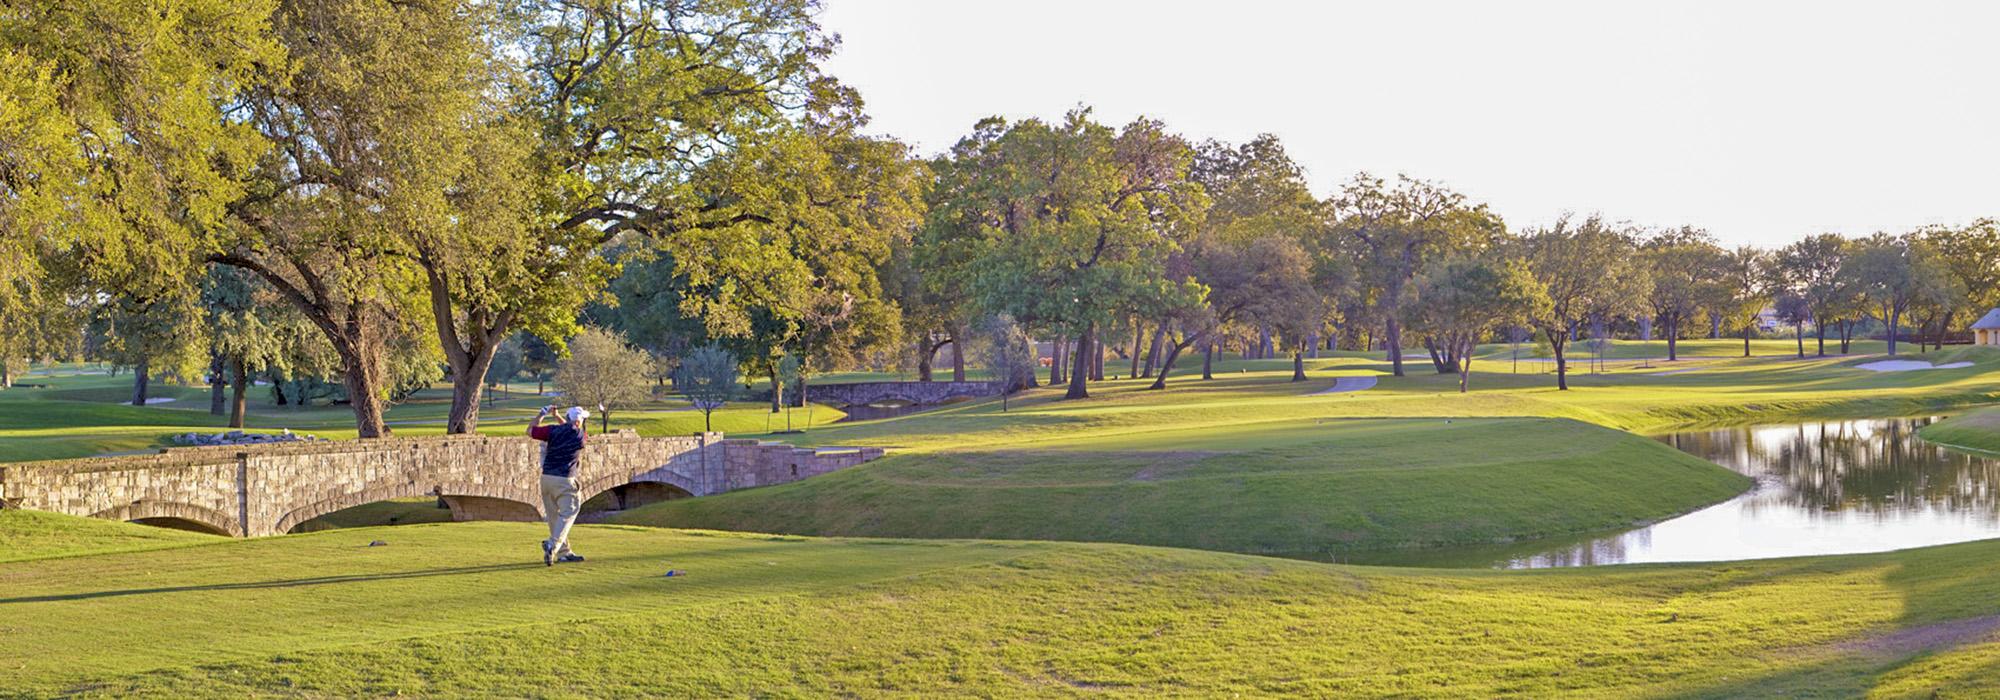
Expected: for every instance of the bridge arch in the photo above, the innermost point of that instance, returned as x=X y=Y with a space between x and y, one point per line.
x=183 y=516
x=483 y=498
x=663 y=486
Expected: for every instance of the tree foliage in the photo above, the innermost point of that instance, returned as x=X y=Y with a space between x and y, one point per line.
x=707 y=377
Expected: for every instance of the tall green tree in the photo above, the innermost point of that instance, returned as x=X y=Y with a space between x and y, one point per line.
x=707 y=377
x=1810 y=268
x=1687 y=270
x=1459 y=301
x=1396 y=230
x=1587 y=270
x=1745 y=275
x=1971 y=254
x=1076 y=221
x=603 y=373
x=1896 y=273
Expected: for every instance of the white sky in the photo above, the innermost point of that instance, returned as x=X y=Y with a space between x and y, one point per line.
x=1760 y=121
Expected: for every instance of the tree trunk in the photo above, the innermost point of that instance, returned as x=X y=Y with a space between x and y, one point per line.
x=1081 y=372
x=367 y=405
x=1153 y=351
x=958 y=354
x=1465 y=366
x=1264 y=348
x=6 y=373
x=924 y=352
x=277 y=389
x=215 y=383
x=777 y=390
x=466 y=387
x=1846 y=335
x=1819 y=331
x=1895 y=317
x=140 y=376
x=238 y=402
x=1673 y=338
x=1394 y=338
x=1746 y=341
x=1058 y=354
x=1174 y=353
x=1208 y=360
x=1556 y=343
x=1298 y=365
x=1138 y=336
x=1312 y=341
x=1799 y=332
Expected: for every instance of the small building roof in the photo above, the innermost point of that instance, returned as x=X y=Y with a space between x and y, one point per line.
x=1991 y=321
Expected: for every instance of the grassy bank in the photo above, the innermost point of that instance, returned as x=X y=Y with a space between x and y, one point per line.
x=1300 y=488
x=463 y=610
x=28 y=534
x=1977 y=429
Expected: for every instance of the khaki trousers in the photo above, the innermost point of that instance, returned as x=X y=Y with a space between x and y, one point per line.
x=559 y=506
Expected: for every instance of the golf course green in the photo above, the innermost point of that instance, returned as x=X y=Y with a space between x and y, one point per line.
x=463 y=610
x=1098 y=547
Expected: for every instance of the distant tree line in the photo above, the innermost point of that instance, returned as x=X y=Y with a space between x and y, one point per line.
x=353 y=199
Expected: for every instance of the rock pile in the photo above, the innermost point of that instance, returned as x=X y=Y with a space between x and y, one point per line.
x=238 y=437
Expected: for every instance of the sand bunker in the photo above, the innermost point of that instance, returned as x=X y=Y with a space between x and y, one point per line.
x=1908 y=365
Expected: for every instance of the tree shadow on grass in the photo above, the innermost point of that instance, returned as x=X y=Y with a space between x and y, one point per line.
x=286 y=583
x=1948 y=604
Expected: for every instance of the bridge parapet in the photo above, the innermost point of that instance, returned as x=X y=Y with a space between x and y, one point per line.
x=269 y=489
x=921 y=393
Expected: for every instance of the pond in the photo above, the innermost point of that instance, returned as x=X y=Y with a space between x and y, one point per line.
x=1838 y=487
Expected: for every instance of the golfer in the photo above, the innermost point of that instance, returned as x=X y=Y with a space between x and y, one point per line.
x=559 y=499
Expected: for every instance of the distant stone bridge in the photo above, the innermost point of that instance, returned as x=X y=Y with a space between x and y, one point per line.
x=270 y=489
x=924 y=393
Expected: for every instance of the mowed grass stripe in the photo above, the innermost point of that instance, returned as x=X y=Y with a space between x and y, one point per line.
x=1066 y=619
x=249 y=598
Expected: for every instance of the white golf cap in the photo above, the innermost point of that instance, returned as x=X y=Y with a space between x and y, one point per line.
x=576 y=413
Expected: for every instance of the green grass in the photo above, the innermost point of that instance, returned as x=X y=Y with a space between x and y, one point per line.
x=1301 y=488
x=464 y=610
x=28 y=534
x=1977 y=429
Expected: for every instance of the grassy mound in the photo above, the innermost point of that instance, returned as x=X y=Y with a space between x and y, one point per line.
x=30 y=534
x=464 y=610
x=1310 y=488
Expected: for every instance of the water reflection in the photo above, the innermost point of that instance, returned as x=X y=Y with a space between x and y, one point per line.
x=1839 y=487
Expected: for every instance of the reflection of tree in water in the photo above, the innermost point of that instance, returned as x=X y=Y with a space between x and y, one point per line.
x=1870 y=467
x=1601 y=550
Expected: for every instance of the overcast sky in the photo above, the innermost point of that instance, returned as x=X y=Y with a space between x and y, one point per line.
x=1760 y=121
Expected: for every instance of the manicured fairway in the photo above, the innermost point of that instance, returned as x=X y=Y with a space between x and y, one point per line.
x=1314 y=489
x=463 y=610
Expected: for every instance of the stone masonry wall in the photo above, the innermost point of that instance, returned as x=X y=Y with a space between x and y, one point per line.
x=268 y=489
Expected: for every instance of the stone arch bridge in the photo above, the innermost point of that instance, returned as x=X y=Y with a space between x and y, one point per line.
x=921 y=393
x=269 y=489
